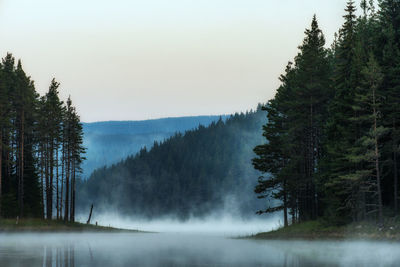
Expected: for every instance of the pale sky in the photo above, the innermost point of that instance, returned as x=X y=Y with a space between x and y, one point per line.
x=135 y=60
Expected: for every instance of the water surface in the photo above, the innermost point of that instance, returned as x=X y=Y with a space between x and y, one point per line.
x=173 y=249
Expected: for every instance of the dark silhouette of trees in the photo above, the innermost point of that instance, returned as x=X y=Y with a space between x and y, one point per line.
x=339 y=160
x=31 y=141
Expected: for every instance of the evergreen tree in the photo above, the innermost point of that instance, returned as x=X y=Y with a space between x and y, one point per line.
x=333 y=143
x=30 y=137
x=340 y=130
x=294 y=131
x=53 y=110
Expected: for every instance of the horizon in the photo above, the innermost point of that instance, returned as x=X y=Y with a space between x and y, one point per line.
x=174 y=117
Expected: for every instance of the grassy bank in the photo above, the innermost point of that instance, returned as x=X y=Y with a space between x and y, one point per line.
x=318 y=230
x=39 y=225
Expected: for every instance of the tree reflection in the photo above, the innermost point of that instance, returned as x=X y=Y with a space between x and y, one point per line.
x=59 y=256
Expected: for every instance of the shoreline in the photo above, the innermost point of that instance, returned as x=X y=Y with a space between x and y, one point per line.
x=56 y=226
x=318 y=231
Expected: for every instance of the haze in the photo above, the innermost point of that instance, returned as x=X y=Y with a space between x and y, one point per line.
x=133 y=60
x=186 y=250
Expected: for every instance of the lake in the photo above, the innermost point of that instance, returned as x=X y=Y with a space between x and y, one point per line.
x=174 y=249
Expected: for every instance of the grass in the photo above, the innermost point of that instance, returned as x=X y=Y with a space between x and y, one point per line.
x=319 y=230
x=40 y=225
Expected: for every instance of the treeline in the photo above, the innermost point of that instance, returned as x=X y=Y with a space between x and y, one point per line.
x=201 y=172
x=112 y=141
x=333 y=126
x=40 y=148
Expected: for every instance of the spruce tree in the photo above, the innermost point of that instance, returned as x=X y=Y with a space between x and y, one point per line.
x=341 y=132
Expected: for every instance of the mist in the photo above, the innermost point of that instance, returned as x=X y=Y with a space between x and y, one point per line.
x=150 y=249
x=215 y=224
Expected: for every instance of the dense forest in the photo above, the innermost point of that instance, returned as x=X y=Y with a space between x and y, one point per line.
x=40 y=148
x=109 y=142
x=333 y=126
x=203 y=171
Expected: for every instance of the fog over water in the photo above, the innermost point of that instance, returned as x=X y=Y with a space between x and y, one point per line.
x=184 y=249
x=216 y=225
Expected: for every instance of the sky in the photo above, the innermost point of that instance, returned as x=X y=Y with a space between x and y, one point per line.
x=146 y=59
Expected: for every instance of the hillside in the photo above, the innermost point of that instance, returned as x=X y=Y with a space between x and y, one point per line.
x=204 y=171
x=111 y=141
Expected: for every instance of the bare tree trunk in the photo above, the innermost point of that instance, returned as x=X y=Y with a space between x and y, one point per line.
x=62 y=179
x=90 y=215
x=50 y=208
x=66 y=207
x=73 y=193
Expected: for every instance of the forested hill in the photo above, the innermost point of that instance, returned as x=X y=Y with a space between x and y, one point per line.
x=112 y=141
x=206 y=170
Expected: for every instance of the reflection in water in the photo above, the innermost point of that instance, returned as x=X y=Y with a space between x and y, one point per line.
x=59 y=256
x=70 y=250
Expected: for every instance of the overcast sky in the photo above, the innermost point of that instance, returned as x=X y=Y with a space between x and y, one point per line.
x=135 y=60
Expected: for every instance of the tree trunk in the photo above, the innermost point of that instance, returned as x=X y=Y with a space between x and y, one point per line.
x=73 y=194
x=57 y=195
x=21 y=178
x=66 y=207
x=62 y=178
x=396 y=185
x=50 y=208
x=90 y=215
x=1 y=167
x=285 y=206
x=396 y=178
x=41 y=178
x=40 y=155
x=378 y=178
x=46 y=159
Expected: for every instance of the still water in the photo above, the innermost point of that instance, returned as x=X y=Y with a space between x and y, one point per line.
x=137 y=249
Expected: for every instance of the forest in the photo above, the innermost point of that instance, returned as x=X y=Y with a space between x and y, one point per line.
x=109 y=142
x=333 y=125
x=328 y=151
x=193 y=174
x=40 y=148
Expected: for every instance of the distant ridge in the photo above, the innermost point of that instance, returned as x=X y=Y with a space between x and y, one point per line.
x=205 y=171
x=109 y=142
x=169 y=124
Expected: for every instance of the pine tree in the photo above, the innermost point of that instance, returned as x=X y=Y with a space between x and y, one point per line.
x=77 y=151
x=30 y=138
x=3 y=126
x=294 y=131
x=53 y=111
x=9 y=203
x=365 y=151
x=312 y=94
x=272 y=155
x=341 y=133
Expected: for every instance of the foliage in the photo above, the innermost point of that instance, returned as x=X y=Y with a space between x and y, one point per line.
x=33 y=130
x=199 y=172
x=333 y=124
